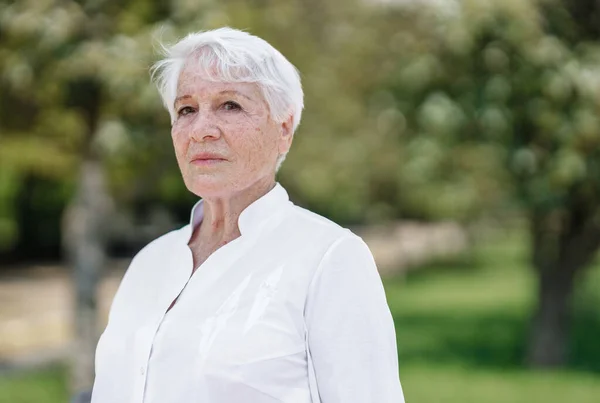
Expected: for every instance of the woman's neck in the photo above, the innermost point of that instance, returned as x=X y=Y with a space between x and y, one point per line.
x=221 y=214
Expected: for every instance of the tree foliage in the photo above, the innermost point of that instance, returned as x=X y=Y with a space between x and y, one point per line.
x=519 y=83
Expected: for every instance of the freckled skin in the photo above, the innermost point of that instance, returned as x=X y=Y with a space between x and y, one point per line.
x=233 y=121
x=248 y=138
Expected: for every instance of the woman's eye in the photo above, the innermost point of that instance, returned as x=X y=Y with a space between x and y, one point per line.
x=231 y=106
x=186 y=110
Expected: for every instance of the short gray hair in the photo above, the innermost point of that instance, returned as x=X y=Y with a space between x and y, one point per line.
x=231 y=55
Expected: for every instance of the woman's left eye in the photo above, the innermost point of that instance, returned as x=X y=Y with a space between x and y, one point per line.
x=231 y=106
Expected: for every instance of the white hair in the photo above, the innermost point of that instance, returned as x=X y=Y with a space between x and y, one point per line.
x=231 y=55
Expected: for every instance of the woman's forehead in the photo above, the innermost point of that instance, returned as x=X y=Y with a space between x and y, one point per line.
x=198 y=81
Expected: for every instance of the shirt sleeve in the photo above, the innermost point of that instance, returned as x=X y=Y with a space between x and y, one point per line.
x=351 y=333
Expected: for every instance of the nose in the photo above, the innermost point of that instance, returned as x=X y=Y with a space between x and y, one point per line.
x=205 y=127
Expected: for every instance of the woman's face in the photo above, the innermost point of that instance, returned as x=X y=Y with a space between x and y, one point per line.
x=224 y=138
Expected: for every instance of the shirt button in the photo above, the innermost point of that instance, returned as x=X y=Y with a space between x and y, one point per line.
x=142 y=371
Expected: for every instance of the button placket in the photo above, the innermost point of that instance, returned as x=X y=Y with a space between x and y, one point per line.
x=143 y=345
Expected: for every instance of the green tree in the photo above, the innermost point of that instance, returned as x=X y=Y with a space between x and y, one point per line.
x=519 y=82
x=75 y=91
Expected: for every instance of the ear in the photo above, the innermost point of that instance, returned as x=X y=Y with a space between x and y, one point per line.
x=286 y=134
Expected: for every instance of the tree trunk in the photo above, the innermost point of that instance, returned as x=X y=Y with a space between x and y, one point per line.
x=84 y=242
x=84 y=234
x=551 y=321
x=564 y=244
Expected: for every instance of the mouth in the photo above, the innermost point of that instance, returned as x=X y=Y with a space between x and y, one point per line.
x=206 y=159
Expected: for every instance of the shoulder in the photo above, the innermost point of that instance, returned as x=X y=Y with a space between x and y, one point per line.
x=154 y=257
x=157 y=247
x=333 y=240
x=146 y=270
x=310 y=224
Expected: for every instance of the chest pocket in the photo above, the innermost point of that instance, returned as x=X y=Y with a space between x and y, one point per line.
x=252 y=341
x=253 y=324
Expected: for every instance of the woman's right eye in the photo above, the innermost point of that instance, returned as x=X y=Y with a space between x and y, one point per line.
x=186 y=110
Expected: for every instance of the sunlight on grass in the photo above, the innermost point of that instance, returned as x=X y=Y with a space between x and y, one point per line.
x=462 y=327
x=445 y=384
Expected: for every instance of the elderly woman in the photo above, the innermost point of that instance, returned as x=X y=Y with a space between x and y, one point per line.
x=256 y=300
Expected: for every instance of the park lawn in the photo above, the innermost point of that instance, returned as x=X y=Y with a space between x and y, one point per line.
x=461 y=331
x=461 y=328
x=43 y=386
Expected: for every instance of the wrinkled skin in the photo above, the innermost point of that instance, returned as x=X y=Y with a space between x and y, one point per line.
x=233 y=121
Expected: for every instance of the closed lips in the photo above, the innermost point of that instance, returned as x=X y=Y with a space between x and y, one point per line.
x=207 y=157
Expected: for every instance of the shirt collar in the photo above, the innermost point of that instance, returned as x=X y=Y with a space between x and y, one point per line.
x=252 y=217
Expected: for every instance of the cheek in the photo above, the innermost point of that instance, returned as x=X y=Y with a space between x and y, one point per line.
x=180 y=143
x=260 y=148
x=177 y=137
x=254 y=141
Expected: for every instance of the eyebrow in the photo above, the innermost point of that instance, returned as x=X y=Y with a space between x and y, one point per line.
x=236 y=93
x=224 y=92
x=181 y=98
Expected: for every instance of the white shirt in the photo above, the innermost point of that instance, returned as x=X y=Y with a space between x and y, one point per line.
x=292 y=311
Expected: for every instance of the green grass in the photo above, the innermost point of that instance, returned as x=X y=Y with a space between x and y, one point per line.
x=44 y=386
x=461 y=329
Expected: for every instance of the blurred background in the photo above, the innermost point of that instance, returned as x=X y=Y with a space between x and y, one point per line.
x=460 y=138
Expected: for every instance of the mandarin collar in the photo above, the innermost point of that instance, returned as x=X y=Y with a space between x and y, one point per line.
x=253 y=216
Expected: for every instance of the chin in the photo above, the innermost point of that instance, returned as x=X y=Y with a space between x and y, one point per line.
x=211 y=185
x=207 y=188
